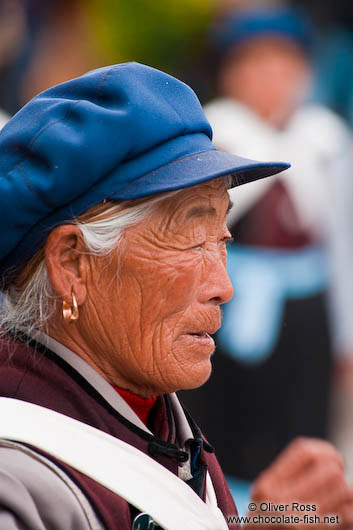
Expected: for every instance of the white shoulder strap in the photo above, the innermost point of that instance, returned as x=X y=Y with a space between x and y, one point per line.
x=113 y=463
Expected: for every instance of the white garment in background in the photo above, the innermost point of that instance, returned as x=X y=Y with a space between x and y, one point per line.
x=341 y=251
x=312 y=140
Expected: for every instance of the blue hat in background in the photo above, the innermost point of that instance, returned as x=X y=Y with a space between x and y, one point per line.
x=120 y=132
x=235 y=28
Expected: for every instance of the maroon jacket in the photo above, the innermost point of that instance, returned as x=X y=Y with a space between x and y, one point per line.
x=38 y=375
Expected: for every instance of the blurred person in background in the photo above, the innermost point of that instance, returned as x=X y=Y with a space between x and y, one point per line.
x=46 y=43
x=274 y=354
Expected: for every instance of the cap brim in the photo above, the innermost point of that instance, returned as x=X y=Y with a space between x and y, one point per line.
x=197 y=168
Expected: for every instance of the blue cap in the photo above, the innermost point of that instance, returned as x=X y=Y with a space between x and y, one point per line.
x=238 y=27
x=120 y=132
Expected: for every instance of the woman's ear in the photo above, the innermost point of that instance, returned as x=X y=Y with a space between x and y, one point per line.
x=66 y=259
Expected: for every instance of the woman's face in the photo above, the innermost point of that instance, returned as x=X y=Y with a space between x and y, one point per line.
x=269 y=74
x=149 y=331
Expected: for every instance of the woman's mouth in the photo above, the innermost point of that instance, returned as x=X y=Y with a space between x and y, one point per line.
x=201 y=339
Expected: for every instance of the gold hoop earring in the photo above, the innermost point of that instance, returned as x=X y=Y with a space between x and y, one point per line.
x=70 y=312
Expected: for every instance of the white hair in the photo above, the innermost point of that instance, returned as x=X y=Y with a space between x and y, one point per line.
x=30 y=308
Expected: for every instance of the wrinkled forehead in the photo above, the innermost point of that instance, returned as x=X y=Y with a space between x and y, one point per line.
x=210 y=199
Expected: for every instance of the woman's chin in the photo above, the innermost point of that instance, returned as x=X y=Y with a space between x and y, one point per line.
x=188 y=366
x=197 y=375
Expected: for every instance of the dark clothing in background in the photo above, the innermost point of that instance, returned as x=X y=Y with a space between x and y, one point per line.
x=251 y=412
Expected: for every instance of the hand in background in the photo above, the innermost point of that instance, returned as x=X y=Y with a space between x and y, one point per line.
x=308 y=472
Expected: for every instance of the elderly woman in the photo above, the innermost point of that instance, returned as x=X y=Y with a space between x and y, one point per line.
x=113 y=265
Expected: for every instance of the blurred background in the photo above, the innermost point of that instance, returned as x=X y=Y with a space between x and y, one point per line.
x=276 y=82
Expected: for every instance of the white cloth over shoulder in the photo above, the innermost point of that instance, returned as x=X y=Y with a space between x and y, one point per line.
x=113 y=463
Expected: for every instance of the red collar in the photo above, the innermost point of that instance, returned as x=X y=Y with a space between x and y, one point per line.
x=141 y=406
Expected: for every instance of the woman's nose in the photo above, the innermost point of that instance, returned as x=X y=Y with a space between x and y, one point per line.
x=217 y=287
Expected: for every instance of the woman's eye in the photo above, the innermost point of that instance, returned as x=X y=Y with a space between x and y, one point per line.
x=197 y=247
x=226 y=240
